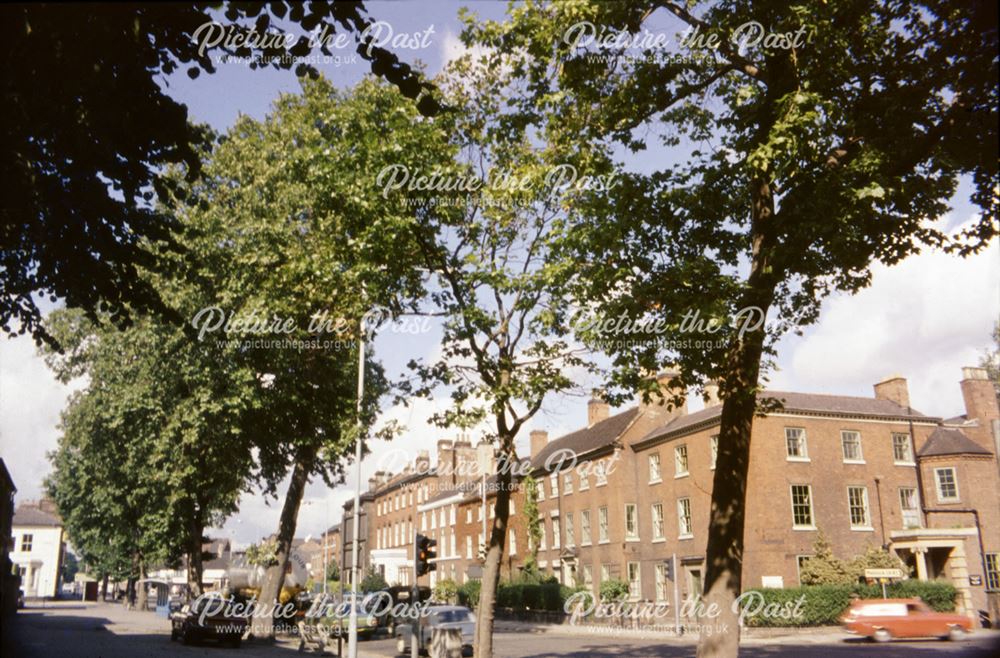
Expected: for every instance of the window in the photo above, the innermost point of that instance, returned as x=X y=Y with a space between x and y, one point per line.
x=908 y=507
x=947 y=484
x=631 y=522
x=570 y=539
x=468 y=547
x=713 y=444
x=857 y=504
x=795 y=444
x=657 y=521
x=684 y=525
x=902 y=448
x=585 y=527
x=602 y=524
x=993 y=571
x=602 y=474
x=661 y=583
x=511 y=511
x=541 y=489
x=468 y=515
x=605 y=573
x=634 y=584
x=554 y=485
x=584 y=480
x=454 y=549
x=654 y=467
x=802 y=512
x=27 y=541
x=800 y=561
x=568 y=482
x=556 y=535
x=588 y=576
x=680 y=461
x=541 y=541
x=513 y=542
x=851 y=442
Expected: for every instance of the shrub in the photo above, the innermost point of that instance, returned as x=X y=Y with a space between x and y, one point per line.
x=468 y=593
x=446 y=591
x=373 y=581
x=614 y=590
x=532 y=596
x=825 y=604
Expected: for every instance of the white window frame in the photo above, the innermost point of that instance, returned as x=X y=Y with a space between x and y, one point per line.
x=866 y=523
x=913 y=512
x=681 y=463
x=631 y=534
x=584 y=480
x=909 y=449
x=661 y=582
x=992 y=575
x=634 y=584
x=802 y=441
x=655 y=474
x=937 y=485
x=585 y=536
x=601 y=474
x=713 y=448
x=860 y=459
x=567 y=483
x=569 y=530
x=812 y=511
x=685 y=522
x=603 y=531
x=656 y=514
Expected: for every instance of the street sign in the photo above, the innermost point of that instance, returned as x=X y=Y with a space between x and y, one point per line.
x=883 y=573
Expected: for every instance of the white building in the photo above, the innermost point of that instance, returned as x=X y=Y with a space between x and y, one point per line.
x=38 y=548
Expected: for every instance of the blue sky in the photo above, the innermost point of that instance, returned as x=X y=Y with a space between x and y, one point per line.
x=924 y=319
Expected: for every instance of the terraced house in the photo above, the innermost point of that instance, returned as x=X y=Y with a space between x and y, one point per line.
x=864 y=471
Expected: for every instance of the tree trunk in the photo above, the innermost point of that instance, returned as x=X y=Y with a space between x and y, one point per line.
x=274 y=576
x=494 y=556
x=719 y=616
x=104 y=588
x=196 y=565
x=140 y=591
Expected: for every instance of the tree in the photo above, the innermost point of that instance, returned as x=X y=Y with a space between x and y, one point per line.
x=154 y=437
x=69 y=568
x=288 y=226
x=373 y=581
x=332 y=570
x=89 y=129
x=991 y=360
x=489 y=230
x=823 y=567
x=533 y=519
x=792 y=168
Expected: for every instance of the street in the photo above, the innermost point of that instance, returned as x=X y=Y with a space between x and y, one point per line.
x=77 y=630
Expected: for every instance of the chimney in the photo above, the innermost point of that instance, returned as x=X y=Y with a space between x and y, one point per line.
x=665 y=405
x=423 y=462
x=373 y=482
x=466 y=460
x=446 y=460
x=980 y=396
x=597 y=410
x=539 y=439
x=485 y=460
x=711 y=394
x=894 y=389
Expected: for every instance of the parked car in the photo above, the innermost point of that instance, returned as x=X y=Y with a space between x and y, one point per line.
x=885 y=619
x=219 y=623
x=341 y=619
x=438 y=617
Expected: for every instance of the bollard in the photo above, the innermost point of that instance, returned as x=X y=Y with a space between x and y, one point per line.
x=446 y=643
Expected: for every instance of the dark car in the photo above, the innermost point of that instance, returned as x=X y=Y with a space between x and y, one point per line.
x=209 y=618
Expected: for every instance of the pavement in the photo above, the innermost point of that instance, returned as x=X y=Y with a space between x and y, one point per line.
x=106 y=630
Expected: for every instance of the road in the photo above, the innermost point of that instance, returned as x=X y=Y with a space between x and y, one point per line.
x=77 y=630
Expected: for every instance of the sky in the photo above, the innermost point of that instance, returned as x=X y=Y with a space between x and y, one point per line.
x=923 y=319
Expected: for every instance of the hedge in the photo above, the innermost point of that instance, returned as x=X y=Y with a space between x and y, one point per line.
x=468 y=593
x=825 y=604
x=532 y=596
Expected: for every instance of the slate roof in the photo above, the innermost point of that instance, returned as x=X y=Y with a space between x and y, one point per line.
x=588 y=439
x=946 y=441
x=29 y=515
x=843 y=405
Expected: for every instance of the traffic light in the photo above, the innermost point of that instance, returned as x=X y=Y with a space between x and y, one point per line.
x=425 y=555
x=669 y=569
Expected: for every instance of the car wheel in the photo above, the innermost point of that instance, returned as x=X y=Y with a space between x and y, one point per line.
x=956 y=633
x=881 y=635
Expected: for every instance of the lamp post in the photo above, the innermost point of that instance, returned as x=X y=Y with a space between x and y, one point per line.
x=352 y=628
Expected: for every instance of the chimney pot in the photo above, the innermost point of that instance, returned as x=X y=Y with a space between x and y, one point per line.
x=894 y=389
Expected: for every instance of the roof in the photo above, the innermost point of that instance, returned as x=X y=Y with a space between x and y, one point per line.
x=588 y=439
x=841 y=405
x=946 y=441
x=29 y=515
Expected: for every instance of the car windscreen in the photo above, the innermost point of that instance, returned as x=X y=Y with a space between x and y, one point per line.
x=453 y=616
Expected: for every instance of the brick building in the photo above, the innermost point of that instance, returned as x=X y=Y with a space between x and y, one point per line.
x=620 y=496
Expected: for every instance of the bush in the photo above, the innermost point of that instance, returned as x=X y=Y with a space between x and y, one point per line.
x=614 y=590
x=446 y=591
x=825 y=604
x=532 y=596
x=468 y=593
x=373 y=581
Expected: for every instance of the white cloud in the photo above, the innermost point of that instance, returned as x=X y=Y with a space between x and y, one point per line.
x=923 y=319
